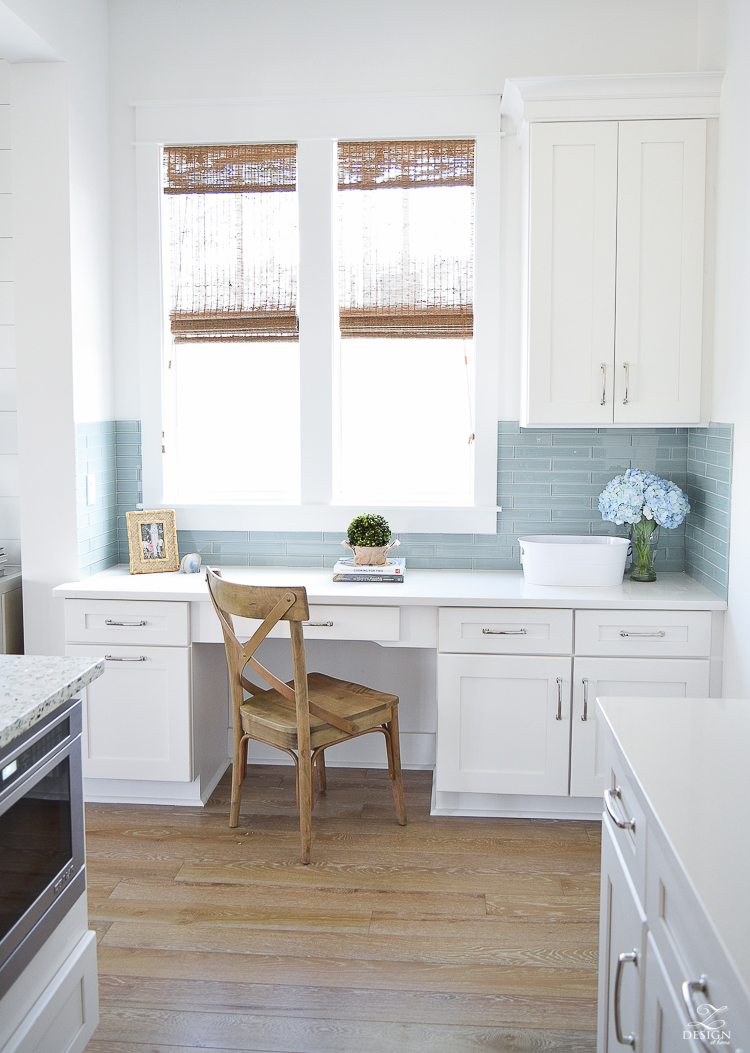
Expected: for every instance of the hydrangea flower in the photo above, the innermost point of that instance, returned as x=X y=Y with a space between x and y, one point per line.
x=639 y=495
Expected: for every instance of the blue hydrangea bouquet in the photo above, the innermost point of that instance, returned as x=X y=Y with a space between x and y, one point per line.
x=646 y=502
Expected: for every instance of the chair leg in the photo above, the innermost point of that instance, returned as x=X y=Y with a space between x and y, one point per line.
x=239 y=771
x=395 y=764
x=320 y=767
x=305 y=802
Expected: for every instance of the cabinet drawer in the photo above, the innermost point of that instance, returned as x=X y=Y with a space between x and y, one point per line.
x=326 y=622
x=644 y=634
x=504 y=630
x=688 y=944
x=137 y=622
x=626 y=807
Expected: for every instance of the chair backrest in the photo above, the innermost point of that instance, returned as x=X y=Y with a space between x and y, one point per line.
x=272 y=605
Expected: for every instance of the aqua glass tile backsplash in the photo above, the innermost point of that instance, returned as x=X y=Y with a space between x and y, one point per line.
x=548 y=481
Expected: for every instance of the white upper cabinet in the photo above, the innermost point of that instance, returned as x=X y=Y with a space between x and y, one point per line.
x=572 y=258
x=661 y=194
x=614 y=254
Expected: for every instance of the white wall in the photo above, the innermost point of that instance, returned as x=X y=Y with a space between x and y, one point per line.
x=61 y=225
x=241 y=48
x=731 y=396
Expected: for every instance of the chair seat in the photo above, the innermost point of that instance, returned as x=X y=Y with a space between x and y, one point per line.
x=269 y=717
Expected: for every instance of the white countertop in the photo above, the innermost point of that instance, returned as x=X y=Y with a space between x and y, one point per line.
x=690 y=757
x=33 y=685
x=435 y=588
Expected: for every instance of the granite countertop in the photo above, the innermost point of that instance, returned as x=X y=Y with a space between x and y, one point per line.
x=689 y=756
x=438 y=588
x=33 y=685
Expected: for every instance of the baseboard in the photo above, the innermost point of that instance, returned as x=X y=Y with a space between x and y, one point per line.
x=514 y=806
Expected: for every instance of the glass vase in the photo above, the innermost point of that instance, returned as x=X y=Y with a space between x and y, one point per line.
x=644 y=537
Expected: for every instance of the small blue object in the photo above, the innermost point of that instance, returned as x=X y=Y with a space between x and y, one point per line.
x=191 y=564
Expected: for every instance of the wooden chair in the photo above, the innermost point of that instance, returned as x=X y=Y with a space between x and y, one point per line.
x=304 y=716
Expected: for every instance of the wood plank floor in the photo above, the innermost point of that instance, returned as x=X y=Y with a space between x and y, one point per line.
x=448 y=935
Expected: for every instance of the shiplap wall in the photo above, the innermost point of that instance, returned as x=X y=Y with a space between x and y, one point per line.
x=10 y=527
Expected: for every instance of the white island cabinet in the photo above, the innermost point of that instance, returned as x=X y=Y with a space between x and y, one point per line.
x=674 y=954
x=510 y=728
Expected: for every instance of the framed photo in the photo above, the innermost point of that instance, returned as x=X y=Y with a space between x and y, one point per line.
x=152 y=538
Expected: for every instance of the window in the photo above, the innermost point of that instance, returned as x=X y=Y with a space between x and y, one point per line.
x=268 y=297
x=406 y=256
x=232 y=391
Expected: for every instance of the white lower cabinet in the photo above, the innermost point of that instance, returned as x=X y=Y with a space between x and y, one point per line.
x=665 y=1029
x=622 y=936
x=137 y=716
x=633 y=677
x=503 y=724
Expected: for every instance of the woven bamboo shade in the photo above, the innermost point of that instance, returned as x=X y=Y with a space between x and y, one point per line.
x=231 y=220
x=253 y=169
x=406 y=239
x=429 y=162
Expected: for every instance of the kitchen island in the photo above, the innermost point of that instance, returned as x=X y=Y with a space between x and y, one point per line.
x=675 y=919
x=48 y=982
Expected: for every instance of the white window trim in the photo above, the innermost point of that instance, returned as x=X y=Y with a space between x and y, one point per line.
x=316 y=124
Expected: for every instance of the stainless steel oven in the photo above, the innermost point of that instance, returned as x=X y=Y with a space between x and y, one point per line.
x=41 y=835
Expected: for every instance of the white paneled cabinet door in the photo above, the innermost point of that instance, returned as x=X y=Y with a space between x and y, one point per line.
x=664 y=1020
x=629 y=677
x=660 y=236
x=503 y=724
x=622 y=936
x=572 y=247
x=137 y=715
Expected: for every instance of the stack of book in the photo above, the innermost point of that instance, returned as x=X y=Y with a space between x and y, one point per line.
x=3 y=560
x=393 y=570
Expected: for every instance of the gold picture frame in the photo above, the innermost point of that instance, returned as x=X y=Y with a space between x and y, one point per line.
x=152 y=540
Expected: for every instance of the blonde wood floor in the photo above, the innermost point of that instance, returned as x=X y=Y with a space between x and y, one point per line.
x=447 y=935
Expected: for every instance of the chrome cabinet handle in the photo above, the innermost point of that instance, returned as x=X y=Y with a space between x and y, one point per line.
x=609 y=795
x=108 y=621
x=559 y=698
x=689 y=988
x=626 y=367
x=660 y=633
x=604 y=385
x=503 y=632
x=622 y=959
x=585 y=683
x=113 y=658
x=319 y=624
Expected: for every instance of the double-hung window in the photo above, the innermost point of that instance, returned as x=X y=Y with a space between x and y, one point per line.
x=324 y=339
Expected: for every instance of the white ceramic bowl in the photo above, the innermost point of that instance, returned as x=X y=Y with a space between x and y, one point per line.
x=571 y=559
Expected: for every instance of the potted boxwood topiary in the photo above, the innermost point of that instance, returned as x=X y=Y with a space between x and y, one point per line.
x=369 y=538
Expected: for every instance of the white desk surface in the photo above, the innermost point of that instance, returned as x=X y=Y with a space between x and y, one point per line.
x=691 y=764
x=432 y=588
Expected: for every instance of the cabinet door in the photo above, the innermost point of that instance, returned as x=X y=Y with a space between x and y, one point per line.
x=660 y=234
x=622 y=931
x=629 y=677
x=498 y=726
x=137 y=715
x=664 y=1022
x=572 y=244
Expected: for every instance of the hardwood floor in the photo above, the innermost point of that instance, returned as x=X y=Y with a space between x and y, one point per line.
x=447 y=935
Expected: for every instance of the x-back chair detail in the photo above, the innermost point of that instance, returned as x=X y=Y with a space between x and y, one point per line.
x=304 y=716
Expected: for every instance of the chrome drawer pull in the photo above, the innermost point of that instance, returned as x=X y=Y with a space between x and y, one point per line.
x=626 y=367
x=585 y=699
x=503 y=632
x=609 y=795
x=604 y=385
x=559 y=698
x=622 y=959
x=708 y=1012
x=112 y=658
x=660 y=633
x=319 y=624
x=108 y=621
